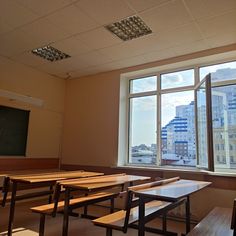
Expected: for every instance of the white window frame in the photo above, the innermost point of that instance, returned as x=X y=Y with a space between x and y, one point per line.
x=123 y=143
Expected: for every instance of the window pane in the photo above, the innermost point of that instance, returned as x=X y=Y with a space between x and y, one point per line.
x=202 y=126
x=177 y=79
x=142 y=131
x=220 y=72
x=224 y=126
x=178 y=129
x=143 y=85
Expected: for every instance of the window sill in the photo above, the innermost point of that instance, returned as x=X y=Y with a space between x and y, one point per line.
x=183 y=170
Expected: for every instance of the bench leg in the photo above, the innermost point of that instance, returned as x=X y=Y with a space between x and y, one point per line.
x=41 y=224
x=112 y=205
x=85 y=208
x=50 y=196
x=164 y=223
x=108 y=232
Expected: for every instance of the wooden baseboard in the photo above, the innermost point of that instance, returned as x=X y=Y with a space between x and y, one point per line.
x=27 y=163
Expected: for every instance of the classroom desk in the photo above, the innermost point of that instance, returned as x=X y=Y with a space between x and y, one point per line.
x=36 y=180
x=171 y=192
x=94 y=184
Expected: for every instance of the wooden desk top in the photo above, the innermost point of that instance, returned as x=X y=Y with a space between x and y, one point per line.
x=102 y=181
x=174 y=190
x=216 y=223
x=53 y=176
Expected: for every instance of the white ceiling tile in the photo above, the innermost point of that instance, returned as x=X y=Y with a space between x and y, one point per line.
x=148 y=43
x=191 y=47
x=14 y=42
x=109 y=66
x=14 y=14
x=62 y=75
x=159 y=55
x=207 y=8
x=120 y=51
x=72 y=46
x=95 y=69
x=98 y=38
x=105 y=11
x=4 y=27
x=222 y=39
x=132 y=61
x=64 y=66
x=182 y=35
x=72 y=20
x=95 y=58
x=42 y=32
x=29 y=59
x=223 y=24
x=141 y=5
x=51 y=68
x=45 y=7
x=166 y=16
x=77 y=73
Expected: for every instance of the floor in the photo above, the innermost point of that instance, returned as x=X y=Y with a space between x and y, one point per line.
x=26 y=223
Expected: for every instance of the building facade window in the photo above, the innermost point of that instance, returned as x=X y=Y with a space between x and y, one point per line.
x=160 y=118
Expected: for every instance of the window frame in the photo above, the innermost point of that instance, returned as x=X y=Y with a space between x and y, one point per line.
x=124 y=160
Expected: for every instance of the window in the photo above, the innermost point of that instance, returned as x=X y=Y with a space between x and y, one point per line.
x=177 y=129
x=161 y=122
x=143 y=130
x=177 y=79
x=219 y=72
x=175 y=144
x=222 y=94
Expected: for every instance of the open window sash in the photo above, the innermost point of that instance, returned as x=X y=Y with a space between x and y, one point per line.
x=203 y=123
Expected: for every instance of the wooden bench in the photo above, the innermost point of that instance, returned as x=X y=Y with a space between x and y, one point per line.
x=83 y=201
x=122 y=219
x=219 y=222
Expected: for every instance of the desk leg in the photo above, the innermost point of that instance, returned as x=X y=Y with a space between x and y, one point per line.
x=56 y=197
x=12 y=208
x=5 y=190
x=66 y=212
x=141 y=222
x=187 y=208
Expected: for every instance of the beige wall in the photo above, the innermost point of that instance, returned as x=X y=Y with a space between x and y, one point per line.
x=45 y=125
x=91 y=120
x=90 y=134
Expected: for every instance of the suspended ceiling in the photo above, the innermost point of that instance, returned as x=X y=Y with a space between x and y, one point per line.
x=76 y=27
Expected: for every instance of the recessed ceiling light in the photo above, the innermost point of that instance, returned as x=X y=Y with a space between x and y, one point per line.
x=50 y=53
x=129 y=28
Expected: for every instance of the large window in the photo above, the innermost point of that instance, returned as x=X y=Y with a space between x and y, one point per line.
x=161 y=120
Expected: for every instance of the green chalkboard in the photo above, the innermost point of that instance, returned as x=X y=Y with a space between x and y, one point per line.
x=13 y=131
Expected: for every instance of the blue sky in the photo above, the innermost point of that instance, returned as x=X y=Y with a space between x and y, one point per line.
x=144 y=109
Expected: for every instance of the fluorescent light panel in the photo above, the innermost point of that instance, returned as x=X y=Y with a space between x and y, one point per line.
x=129 y=28
x=50 y=53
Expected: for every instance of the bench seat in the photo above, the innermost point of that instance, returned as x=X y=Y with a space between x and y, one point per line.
x=216 y=223
x=82 y=201
x=116 y=220
x=48 y=208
